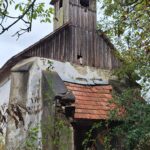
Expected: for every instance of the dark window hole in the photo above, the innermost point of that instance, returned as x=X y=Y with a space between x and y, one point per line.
x=60 y=3
x=80 y=58
x=84 y=3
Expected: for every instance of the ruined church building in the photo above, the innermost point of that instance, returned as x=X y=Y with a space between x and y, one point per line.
x=61 y=83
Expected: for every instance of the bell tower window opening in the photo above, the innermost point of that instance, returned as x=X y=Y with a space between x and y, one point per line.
x=80 y=59
x=84 y=3
x=60 y=3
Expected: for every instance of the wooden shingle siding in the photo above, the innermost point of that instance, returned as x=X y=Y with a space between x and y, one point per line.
x=70 y=42
x=83 y=18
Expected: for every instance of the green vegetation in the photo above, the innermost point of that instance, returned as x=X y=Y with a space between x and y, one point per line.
x=134 y=129
x=131 y=127
x=56 y=133
x=31 y=141
x=127 y=24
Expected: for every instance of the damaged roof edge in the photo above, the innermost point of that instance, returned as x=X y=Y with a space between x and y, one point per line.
x=58 y=86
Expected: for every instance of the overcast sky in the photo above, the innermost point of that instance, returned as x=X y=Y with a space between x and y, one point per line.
x=9 y=46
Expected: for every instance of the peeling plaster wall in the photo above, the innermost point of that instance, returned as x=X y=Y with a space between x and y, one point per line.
x=26 y=92
x=77 y=73
x=34 y=101
x=5 y=91
x=4 y=100
x=18 y=95
x=71 y=72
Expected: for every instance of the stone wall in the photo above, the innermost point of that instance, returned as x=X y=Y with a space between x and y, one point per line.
x=27 y=97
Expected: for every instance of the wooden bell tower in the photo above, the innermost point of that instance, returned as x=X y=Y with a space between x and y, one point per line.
x=80 y=13
x=76 y=37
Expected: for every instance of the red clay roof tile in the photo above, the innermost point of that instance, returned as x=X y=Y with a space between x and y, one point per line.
x=92 y=102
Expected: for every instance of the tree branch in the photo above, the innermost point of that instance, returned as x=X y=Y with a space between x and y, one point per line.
x=18 y=18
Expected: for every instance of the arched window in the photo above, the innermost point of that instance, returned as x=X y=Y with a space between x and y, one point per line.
x=84 y=3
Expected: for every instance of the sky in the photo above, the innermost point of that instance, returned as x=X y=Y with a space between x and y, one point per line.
x=9 y=46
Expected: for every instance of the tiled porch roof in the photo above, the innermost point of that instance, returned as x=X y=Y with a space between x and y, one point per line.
x=91 y=102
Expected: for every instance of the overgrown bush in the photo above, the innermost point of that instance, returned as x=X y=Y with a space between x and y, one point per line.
x=131 y=129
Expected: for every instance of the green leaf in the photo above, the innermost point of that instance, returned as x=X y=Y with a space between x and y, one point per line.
x=16 y=7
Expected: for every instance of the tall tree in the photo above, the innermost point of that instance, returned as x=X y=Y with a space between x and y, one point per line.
x=127 y=23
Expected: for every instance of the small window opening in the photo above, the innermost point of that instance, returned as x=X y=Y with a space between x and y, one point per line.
x=84 y=3
x=60 y=3
x=80 y=58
